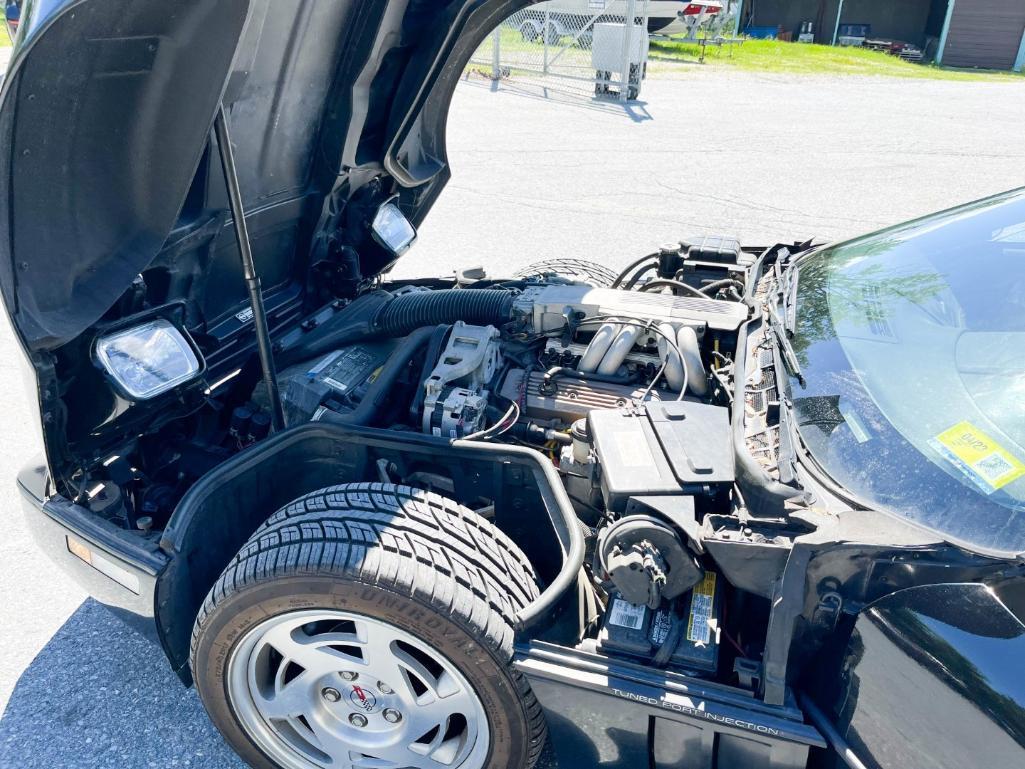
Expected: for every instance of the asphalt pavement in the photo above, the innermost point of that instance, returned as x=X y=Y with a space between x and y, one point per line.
x=535 y=174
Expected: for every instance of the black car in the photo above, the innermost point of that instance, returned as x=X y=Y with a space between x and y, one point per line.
x=731 y=507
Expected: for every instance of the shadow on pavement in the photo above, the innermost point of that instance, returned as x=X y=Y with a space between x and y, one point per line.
x=636 y=110
x=101 y=695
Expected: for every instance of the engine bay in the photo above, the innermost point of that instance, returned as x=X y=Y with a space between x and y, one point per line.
x=623 y=385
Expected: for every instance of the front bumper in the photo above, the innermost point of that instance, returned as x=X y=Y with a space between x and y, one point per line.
x=117 y=567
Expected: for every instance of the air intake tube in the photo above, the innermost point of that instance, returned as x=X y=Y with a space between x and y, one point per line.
x=380 y=314
x=479 y=307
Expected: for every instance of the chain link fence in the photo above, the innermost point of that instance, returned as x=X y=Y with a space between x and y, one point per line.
x=597 y=47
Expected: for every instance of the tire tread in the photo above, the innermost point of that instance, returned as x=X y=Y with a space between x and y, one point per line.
x=405 y=540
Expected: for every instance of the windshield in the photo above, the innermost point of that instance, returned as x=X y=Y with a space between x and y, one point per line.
x=912 y=345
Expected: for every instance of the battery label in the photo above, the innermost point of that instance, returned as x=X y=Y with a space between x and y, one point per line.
x=625 y=614
x=335 y=384
x=660 y=627
x=699 y=626
x=327 y=361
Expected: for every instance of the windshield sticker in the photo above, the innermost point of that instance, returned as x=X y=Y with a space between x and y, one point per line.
x=986 y=463
x=854 y=423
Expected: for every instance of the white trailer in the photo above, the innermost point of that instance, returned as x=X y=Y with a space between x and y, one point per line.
x=555 y=19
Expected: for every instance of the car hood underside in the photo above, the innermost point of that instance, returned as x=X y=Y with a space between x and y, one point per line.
x=106 y=115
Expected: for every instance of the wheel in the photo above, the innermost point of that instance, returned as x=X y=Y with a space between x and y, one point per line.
x=529 y=32
x=574 y=269
x=370 y=626
x=634 y=79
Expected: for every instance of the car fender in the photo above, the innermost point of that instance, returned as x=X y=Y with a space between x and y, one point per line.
x=934 y=676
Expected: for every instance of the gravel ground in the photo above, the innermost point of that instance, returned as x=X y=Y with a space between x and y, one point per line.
x=763 y=157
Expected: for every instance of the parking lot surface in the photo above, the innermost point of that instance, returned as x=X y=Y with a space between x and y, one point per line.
x=535 y=175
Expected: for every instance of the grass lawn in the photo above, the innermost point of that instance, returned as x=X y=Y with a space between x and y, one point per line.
x=752 y=55
x=804 y=58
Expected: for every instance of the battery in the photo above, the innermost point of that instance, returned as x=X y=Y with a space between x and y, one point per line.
x=341 y=376
x=639 y=632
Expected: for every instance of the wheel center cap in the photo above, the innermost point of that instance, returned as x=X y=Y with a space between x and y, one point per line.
x=363 y=699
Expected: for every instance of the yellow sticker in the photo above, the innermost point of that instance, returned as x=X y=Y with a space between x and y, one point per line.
x=988 y=464
x=702 y=603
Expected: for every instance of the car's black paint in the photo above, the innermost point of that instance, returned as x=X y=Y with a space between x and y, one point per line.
x=293 y=99
x=129 y=185
x=935 y=677
x=221 y=511
x=92 y=194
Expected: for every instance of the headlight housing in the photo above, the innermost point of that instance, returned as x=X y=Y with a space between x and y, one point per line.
x=149 y=359
x=392 y=230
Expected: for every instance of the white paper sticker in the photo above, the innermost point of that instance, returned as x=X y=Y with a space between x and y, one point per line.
x=854 y=423
x=625 y=614
x=245 y=316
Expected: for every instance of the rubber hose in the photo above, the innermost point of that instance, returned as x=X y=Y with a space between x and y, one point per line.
x=638 y=275
x=408 y=312
x=711 y=288
x=669 y=283
x=630 y=268
x=378 y=394
x=434 y=349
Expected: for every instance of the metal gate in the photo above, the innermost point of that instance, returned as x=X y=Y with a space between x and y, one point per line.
x=592 y=46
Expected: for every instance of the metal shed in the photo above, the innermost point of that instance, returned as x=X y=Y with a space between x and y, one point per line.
x=987 y=34
x=984 y=33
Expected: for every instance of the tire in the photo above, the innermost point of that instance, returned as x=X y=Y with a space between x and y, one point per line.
x=596 y=274
x=361 y=583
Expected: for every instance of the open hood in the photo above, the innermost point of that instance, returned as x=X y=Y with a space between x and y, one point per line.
x=106 y=115
x=114 y=203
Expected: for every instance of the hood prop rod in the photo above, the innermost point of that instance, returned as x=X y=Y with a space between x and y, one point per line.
x=238 y=214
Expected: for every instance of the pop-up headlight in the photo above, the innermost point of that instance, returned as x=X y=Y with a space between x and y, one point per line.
x=148 y=359
x=392 y=229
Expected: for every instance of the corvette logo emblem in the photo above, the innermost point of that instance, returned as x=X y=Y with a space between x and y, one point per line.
x=363 y=699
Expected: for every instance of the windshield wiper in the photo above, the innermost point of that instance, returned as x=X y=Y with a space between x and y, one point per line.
x=793 y=274
x=786 y=349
